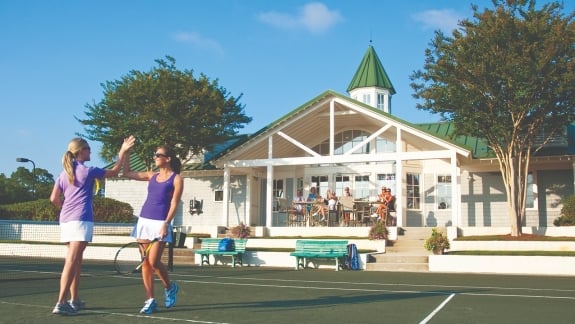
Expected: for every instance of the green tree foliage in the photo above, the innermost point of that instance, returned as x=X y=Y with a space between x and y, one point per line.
x=506 y=76
x=567 y=217
x=18 y=187
x=163 y=106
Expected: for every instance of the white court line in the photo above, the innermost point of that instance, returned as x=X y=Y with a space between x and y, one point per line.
x=430 y=292
x=378 y=283
x=436 y=310
x=87 y=311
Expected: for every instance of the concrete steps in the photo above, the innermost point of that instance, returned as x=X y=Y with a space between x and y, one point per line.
x=182 y=256
x=405 y=254
x=390 y=262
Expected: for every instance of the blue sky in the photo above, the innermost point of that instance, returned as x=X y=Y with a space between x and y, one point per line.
x=279 y=54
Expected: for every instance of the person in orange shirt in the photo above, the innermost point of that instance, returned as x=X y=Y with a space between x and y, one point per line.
x=384 y=198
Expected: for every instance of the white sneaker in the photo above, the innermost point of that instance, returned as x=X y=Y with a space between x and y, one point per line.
x=77 y=304
x=150 y=306
x=64 y=309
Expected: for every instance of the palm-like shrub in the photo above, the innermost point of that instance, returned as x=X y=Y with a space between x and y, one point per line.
x=437 y=242
x=378 y=231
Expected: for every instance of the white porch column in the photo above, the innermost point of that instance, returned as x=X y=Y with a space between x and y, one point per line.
x=226 y=202
x=269 y=186
x=400 y=192
x=455 y=189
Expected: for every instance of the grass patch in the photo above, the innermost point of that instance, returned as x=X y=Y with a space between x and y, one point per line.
x=508 y=237
x=515 y=253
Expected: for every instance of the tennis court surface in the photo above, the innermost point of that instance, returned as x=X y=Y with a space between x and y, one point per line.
x=28 y=291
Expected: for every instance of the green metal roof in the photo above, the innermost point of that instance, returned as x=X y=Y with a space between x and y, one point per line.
x=444 y=130
x=481 y=150
x=370 y=73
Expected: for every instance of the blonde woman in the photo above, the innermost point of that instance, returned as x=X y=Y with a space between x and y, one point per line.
x=73 y=193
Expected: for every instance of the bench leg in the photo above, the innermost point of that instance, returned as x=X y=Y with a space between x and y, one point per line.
x=205 y=258
x=239 y=259
x=298 y=262
x=336 y=264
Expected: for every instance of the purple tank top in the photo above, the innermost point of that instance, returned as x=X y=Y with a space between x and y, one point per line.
x=157 y=202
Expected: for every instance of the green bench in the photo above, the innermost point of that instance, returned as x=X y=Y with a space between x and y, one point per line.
x=210 y=247
x=319 y=249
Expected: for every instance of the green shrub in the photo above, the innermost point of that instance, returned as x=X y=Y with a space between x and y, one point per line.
x=437 y=242
x=378 y=231
x=567 y=217
x=106 y=210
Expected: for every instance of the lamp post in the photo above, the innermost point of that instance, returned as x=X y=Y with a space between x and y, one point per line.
x=24 y=160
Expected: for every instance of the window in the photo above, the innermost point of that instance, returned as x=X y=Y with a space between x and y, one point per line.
x=443 y=192
x=278 y=188
x=299 y=184
x=361 y=187
x=342 y=181
x=367 y=99
x=386 y=180
x=383 y=145
x=530 y=199
x=219 y=195
x=380 y=101
x=344 y=142
x=320 y=183
x=412 y=186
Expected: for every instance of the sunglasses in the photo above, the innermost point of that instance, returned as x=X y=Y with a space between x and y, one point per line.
x=157 y=155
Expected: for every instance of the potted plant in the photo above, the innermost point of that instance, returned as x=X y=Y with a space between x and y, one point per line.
x=241 y=231
x=437 y=242
x=378 y=231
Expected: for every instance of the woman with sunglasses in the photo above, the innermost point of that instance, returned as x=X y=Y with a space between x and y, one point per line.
x=73 y=194
x=165 y=188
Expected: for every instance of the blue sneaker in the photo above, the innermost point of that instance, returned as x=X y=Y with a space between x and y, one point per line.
x=150 y=306
x=171 y=295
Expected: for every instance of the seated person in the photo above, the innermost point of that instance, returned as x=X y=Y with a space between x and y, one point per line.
x=346 y=213
x=382 y=206
x=320 y=207
x=332 y=201
x=390 y=203
x=298 y=206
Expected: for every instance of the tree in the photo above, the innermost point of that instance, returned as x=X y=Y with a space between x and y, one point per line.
x=18 y=188
x=506 y=76
x=164 y=106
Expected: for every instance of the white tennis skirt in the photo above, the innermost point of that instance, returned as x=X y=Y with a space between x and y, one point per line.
x=76 y=231
x=149 y=229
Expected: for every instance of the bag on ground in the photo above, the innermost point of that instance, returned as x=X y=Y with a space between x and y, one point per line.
x=352 y=258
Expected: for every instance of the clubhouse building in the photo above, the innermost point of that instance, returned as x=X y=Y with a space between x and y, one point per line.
x=334 y=141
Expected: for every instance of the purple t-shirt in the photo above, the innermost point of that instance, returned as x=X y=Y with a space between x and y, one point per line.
x=78 y=197
x=159 y=198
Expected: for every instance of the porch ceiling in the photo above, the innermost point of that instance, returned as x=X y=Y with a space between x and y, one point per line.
x=310 y=128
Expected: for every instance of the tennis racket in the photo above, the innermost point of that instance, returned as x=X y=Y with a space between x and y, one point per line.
x=129 y=260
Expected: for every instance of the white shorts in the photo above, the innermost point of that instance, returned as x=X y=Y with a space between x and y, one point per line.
x=76 y=231
x=149 y=229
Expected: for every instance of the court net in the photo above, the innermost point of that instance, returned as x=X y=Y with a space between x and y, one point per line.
x=34 y=247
